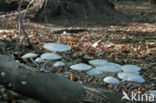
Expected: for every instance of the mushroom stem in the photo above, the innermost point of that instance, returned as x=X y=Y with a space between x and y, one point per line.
x=33 y=61
x=43 y=67
x=54 y=52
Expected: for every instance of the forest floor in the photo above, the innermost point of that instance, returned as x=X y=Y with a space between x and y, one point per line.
x=133 y=42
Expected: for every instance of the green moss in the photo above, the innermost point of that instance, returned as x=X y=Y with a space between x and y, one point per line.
x=122 y=41
x=152 y=37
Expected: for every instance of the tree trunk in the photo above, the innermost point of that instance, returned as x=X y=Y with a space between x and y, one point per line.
x=10 y=5
x=49 y=87
x=153 y=1
x=80 y=10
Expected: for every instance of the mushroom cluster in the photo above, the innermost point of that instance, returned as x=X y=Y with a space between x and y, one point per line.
x=99 y=66
x=94 y=67
x=54 y=48
x=50 y=56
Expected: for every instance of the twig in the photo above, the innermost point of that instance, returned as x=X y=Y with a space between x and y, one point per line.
x=31 y=2
x=45 y=5
x=20 y=24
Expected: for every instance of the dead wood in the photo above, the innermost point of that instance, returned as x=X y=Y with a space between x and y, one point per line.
x=49 y=87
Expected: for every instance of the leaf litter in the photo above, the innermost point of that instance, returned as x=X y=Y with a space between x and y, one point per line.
x=133 y=43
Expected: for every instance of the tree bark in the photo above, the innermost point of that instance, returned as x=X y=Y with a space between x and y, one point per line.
x=46 y=87
x=153 y=1
x=74 y=9
x=49 y=87
x=10 y=5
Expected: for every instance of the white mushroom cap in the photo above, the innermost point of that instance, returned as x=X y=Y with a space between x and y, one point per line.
x=152 y=92
x=129 y=67
x=129 y=76
x=94 y=72
x=97 y=62
x=59 y=64
x=81 y=67
x=109 y=67
x=50 y=56
x=116 y=64
x=111 y=80
x=56 y=47
x=39 y=60
x=29 y=55
x=132 y=71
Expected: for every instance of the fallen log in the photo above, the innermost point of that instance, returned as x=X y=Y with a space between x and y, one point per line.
x=49 y=87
